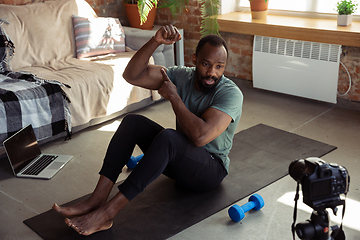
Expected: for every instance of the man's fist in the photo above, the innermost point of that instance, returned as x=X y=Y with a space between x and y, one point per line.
x=167 y=35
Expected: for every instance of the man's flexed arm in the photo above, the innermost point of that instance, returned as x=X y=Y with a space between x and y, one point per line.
x=138 y=71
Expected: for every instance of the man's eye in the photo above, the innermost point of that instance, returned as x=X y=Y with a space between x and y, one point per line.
x=204 y=64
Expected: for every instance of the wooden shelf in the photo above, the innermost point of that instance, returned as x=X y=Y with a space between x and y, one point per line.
x=299 y=28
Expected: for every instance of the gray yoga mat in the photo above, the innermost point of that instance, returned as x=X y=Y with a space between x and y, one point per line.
x=260 y=156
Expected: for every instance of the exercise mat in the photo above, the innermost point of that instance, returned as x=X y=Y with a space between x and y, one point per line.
x=260 y=156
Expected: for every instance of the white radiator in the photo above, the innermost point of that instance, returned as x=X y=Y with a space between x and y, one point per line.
x=304 y=69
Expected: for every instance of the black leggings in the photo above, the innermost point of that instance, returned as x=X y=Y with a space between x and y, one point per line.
x=166 y=151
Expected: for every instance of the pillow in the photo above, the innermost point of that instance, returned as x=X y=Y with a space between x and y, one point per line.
x=97 y=36
x=6 y=50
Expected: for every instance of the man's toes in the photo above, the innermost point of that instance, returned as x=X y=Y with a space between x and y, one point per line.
x=73 y=225
x=69 y=222
x=56 y=207
x=83 y=232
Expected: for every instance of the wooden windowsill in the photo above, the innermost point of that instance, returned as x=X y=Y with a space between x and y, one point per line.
x=299 y=28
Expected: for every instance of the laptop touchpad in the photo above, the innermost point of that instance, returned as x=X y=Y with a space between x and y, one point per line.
x=56 y=165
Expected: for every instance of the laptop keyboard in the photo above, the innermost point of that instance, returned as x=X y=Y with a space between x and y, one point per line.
x=40 y=165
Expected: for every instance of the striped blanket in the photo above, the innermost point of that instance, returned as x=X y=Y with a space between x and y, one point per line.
x=26 y=99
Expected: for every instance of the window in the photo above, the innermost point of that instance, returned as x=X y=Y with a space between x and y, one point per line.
x=311 y=6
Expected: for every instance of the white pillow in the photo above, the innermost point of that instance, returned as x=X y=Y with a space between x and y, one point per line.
x=98 y=36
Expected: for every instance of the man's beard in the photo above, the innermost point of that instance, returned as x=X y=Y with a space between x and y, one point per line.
x=207 y=88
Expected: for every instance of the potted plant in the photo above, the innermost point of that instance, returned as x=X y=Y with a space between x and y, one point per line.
x=344 y=9
x=259 y=8
x=141 y=14
x=209 y=11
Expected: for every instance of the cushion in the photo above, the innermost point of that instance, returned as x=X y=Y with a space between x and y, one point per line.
x=41 y=32
x=6 y=50
x=97 y=36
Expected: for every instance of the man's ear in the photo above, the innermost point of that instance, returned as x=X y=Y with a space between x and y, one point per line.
x=194 y=59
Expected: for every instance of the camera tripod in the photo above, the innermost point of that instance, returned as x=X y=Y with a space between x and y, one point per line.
x=317 y=228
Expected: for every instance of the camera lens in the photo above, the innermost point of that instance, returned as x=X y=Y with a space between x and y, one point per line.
x=296 y=169
x=305 y=230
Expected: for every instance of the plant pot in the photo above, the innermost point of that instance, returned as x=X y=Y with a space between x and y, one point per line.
x=259 y=9
x=134 y=17
x=344 y=20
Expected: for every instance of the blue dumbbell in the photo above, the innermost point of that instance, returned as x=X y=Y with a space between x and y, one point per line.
x=237 y=213
x=133 y=161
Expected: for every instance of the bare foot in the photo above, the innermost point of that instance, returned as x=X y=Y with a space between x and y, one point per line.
x=77 y=209
x=90 y=223
x=100 y=219
x=97 y=199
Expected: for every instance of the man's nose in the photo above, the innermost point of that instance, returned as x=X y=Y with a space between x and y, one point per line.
x=211 y=71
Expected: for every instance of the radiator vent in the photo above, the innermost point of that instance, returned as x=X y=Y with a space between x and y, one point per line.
x=296 y=48
x=300 y=68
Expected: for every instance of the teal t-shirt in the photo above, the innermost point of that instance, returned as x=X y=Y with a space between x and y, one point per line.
x=226 y=97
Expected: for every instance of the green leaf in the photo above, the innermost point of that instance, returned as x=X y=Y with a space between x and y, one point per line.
x=209 y=13
x=144 y=7
x=176 y=7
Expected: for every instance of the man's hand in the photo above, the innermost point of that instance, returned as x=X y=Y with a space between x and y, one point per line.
x=168 y=90
x=167 y=35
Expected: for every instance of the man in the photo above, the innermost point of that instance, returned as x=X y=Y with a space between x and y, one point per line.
x=207 y=106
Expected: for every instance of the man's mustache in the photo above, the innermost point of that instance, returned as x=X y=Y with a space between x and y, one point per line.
x=208 y=78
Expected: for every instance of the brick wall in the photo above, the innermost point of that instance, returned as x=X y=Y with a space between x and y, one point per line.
x=351 y=59
x=240 y=45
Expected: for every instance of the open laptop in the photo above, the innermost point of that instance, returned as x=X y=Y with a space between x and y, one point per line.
x=26 y=159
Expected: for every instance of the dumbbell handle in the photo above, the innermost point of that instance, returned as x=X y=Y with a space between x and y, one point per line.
x=248 y=206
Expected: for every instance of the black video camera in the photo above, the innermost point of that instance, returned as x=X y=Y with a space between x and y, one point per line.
x=321 y=184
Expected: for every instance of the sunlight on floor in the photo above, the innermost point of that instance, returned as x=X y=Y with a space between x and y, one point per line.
x=352 y=211
x=112 y=127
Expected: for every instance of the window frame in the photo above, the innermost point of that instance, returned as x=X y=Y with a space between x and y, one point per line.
x=236 y=6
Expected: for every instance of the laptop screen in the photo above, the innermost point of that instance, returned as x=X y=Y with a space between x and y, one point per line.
x=21 y=148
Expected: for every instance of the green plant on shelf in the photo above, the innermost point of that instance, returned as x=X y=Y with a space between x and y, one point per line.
x=346 y=7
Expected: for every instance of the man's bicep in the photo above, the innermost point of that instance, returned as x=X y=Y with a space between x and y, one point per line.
x=151 y=78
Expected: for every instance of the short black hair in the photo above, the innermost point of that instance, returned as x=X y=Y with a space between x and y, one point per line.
x=213 y=40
